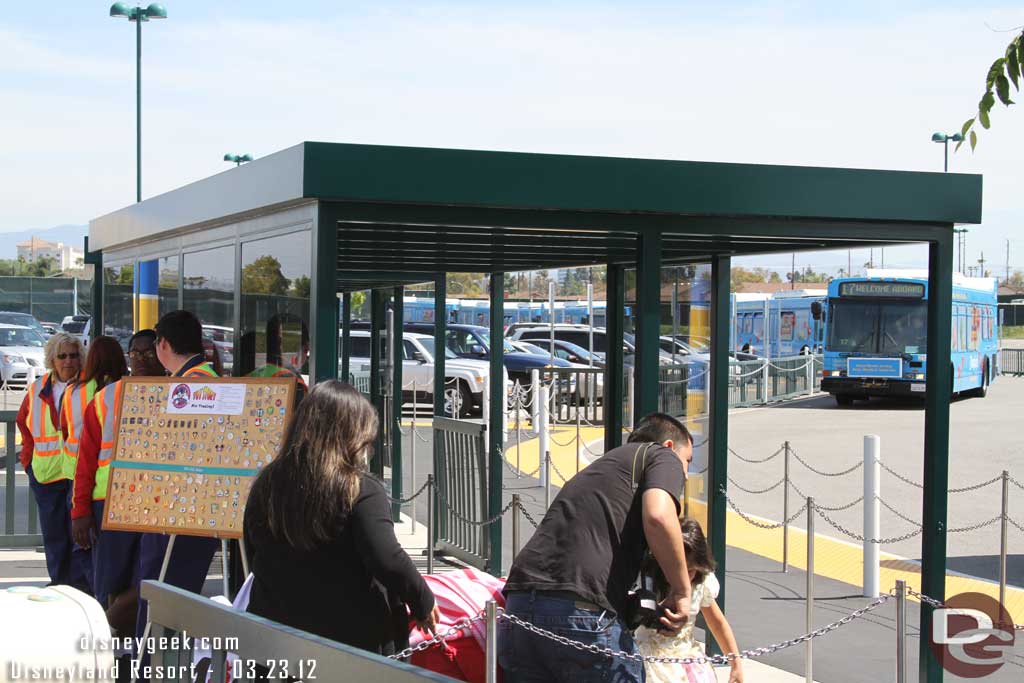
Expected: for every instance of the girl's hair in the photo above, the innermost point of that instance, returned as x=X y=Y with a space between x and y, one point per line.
x=698 y=557
x=104 y=363
x=314 y=482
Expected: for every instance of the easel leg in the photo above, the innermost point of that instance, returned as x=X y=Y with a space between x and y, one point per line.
x=224 y=567
x=149 y=624
x=245 y=558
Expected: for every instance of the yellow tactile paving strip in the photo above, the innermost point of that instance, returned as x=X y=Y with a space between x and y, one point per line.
x=833 y=559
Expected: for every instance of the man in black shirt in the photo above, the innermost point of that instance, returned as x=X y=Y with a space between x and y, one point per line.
x=574 y=575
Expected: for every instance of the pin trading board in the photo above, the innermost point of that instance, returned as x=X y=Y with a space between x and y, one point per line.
x=187 y=450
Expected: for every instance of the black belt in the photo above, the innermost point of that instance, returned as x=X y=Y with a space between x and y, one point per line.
x=579 y=602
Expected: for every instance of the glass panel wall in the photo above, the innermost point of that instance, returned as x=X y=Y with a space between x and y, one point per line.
x=118 y=303
x=170 y=271
x=208 y=288
x=275 y=286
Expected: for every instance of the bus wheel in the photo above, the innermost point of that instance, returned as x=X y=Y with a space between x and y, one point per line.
x=844 y=400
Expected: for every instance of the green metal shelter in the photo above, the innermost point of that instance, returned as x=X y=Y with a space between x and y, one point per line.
x=378 y=217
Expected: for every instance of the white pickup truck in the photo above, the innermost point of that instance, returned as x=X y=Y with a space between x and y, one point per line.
x=465 y=378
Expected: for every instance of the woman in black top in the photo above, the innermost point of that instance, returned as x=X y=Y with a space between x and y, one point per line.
x=319 y=534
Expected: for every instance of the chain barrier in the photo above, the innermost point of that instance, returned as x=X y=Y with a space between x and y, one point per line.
x=553 y=440
x=701 y=443
x=838 y=508
x=762 y=525
x=701 y=471
x=754 y=461
x=823 y=473
x=982 y=485
x=529 y=517
x=404 y=501
x=938 y=604
x=687 y=380
x=1016 y=483
x=457 y=629
x=898 y=475
x=717 y=660
x=896 y=512
x=781 y=369
x=838 y=527
x=1020 y=527
x=757 y=492
x=975 y=527
x=756 y=371
x=557 y=471
x=517 y=472
x=962 y=489
x=472 y=522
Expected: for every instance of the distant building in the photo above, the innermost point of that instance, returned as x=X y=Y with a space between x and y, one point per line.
x=64 y=255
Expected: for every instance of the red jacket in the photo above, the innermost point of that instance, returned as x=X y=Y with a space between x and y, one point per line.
x=28 y=444
x=88 y=463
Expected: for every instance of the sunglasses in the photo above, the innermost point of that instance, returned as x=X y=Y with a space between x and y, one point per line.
x=66 y=356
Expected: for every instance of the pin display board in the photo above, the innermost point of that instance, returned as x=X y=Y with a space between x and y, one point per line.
x=187 y=450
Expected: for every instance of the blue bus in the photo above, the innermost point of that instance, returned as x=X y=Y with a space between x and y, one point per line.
x=878 y=336
x=478 y=311
x=793 y=329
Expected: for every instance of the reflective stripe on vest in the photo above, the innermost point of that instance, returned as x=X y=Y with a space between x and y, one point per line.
x=107 y=401
x=73 y=404
x=46 y=461
x=201 y=370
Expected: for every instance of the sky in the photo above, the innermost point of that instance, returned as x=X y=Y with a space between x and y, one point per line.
x=844 y=84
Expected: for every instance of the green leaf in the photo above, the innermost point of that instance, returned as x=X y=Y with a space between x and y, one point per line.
x=1013 y=66
x=966 y=127
x=974 y=140
x=994 y=71
x=983 y=118
x=1003 y=90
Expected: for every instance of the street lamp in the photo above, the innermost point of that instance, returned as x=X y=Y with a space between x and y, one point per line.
x=945 y=140
x=138 y=15
x=238 y=159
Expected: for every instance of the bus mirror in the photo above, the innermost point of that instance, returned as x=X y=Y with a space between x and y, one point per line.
x=816 y=310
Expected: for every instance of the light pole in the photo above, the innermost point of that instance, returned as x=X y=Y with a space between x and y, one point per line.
x=238 y=159
x=138 y=15
x=945 y=140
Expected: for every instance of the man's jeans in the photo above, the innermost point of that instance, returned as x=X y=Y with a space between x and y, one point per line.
x=527 y=657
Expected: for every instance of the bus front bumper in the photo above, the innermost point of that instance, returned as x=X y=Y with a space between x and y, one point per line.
x=863 y=387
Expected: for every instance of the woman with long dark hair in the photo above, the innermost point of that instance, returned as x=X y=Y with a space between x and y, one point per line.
x=319 y=533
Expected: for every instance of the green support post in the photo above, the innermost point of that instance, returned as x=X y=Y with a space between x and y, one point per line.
x=324 y=304
x=497 y=421
x=376 y=393
x=614 y=388
x=95 y=258
x=346 y=336
x=648 y=323
x=936 y=441
x=718 y=418
x=440 y=319
x=397 y=356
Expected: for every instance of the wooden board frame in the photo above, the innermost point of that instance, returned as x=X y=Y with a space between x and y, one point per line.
x=288 y=401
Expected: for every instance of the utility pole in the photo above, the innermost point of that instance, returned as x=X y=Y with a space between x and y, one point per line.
x=1007 y=280
x=849 y=263
x=792 y=272
x=981 y=265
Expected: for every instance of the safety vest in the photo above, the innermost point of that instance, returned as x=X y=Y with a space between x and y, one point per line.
x=72 y=413
x=201 y=370
x=46 y=460
x=107 y=401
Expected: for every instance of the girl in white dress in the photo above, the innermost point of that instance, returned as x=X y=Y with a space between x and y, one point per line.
x=705 y=589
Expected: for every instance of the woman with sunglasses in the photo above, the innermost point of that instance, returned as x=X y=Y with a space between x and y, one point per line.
x=41 y=450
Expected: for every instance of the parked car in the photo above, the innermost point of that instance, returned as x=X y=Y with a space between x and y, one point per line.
x=22 y=320
x=537 y=333
x=78 y=325
x=51 y=328
x=21 y=355
x=224 y=339
x=464 y=378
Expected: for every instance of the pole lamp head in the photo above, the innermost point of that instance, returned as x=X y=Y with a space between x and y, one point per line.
x=245 y=157
x=939 y=137
x=120 y=10
x=156 y=11
x=230 y=157
x=956 y=137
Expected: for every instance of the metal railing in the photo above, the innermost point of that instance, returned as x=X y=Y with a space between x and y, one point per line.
x=765 y=380
x=1011 y=362
x=300 y=655
x=460 y=474
x=12 y=534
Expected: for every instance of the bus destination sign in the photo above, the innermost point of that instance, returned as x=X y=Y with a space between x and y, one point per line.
x=883 y=290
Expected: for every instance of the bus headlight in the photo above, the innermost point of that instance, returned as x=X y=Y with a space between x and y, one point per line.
x=919 y=375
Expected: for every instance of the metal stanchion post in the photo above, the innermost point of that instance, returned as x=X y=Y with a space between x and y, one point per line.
x=579 y=443
x=1002 y=537
x=901 y=631
x=630 y=397
x=515 y=524
x=534 y=393
x=431 y=499
x=872 y=515
x=543 y=434
x=808 y=653
x=764 y=377
x=519 y=434
x=412 y=455
x=491 y=619
x=485 y=407
x=810 y=373
x=547 y=481
x=785 y=507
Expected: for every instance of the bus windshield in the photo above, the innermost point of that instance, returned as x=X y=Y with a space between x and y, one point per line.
x=894 y=327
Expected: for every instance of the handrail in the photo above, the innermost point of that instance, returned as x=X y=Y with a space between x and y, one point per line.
x=254 y=638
